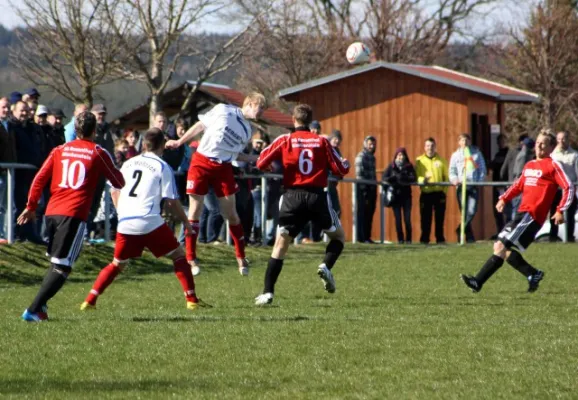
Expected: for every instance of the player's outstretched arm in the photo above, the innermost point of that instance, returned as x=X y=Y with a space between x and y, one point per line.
x=272 y=152
x=338 y=166
x=189 y=135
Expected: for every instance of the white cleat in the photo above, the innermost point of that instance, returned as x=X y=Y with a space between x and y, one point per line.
x=195 y=267
x=327 y=278
x=264 y=299
x=243 y=266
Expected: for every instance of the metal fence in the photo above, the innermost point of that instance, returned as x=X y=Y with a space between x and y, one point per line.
x=11 y=167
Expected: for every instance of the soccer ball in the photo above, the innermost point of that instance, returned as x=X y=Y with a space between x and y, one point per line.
x=357 y=53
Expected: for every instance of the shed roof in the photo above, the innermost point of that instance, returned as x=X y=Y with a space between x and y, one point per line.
x=500 y=92
x=219 y=93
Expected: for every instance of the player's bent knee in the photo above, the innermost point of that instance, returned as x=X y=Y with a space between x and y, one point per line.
x=337 y=234
x=177 y=253
x=499 y=248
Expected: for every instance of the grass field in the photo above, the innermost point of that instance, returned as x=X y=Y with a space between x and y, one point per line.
x=401 y=325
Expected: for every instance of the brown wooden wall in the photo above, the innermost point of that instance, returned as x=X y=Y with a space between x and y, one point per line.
x=399 y=110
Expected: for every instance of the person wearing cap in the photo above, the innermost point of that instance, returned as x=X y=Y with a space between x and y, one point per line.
x=69 y=133
x=14 y=98
x=366 y=194
x=315 y=127
x=32 y=94
x=104 y=139
x=55 y=117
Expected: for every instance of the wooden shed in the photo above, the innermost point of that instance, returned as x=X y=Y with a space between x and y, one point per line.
x=402 y=105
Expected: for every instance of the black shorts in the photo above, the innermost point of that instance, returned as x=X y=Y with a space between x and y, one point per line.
x=520 y=232
x=299 y=206
x=65 y=238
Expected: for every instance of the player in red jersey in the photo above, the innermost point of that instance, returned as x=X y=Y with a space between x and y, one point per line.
x=307 y=159
x=74 y=170
x=226 y=133
x=538 y=185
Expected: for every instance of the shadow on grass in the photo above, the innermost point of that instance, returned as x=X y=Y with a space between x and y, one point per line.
x=214 y=318
x=21 y=386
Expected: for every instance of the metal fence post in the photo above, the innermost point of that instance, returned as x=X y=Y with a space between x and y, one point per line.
x=264 y=210
x=9 y=207
x=354 y=210
x=107 y=209
x=381 y=215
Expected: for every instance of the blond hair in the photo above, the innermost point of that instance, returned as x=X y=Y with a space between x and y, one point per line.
x=255 y=97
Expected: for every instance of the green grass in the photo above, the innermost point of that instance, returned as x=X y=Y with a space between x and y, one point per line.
x=401 y=325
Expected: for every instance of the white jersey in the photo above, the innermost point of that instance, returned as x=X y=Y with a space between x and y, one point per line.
x=148 y=180
x=227 y=132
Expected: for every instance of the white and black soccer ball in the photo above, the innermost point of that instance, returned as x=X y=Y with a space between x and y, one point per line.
x=357 y=53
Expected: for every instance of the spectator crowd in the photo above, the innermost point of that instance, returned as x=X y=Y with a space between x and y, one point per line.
x=29 y=131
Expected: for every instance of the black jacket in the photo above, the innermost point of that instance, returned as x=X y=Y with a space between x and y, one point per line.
x=399 y=179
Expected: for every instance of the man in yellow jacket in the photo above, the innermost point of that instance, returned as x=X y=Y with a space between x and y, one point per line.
x=431 y=168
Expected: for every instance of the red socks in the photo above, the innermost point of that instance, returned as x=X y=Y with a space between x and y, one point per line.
x=185 y=276
x=191 y=241
x=103 y=281
x=238 y=239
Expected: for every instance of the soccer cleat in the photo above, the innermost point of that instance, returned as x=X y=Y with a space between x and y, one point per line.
x=264 y=299
x=243 y=266
x=31 y=317
x=534 y=281
x=86 y=306
x=327 y=278
x=471 y=282
x=195 y=305
x=195 y=267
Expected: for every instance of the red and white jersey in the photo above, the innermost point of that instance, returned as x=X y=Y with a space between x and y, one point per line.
x=538 y=185
x=227 y=132
x=307 y=159
x=149 y=179
x=75 y=169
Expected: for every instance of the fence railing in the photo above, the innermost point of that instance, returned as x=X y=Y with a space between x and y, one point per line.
x=10 y=220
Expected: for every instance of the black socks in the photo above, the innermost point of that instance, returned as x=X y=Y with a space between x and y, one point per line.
x=517 y=262
x=332 y=252
x=53 y=281
x=490 y=267
x=273 y=270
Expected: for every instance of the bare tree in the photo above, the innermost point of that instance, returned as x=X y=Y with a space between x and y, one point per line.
x=292 y=48
x=307 y=39
x=543 y=57
x=160 y=39
x=67 y=47
x=406 y=31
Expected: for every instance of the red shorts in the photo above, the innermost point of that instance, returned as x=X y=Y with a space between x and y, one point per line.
x=160 y=242
x=204 y=172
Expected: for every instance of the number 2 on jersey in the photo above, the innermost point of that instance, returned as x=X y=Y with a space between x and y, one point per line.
x=137 y=175
x=306 y=161
x=70 y=178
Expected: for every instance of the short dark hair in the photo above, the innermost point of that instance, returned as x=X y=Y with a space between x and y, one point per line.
x=154 y=139
x=465 y=136
x=182 y=123
x=501 y=136
x=430 y=139
x=85 y=124
x=303 y=114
